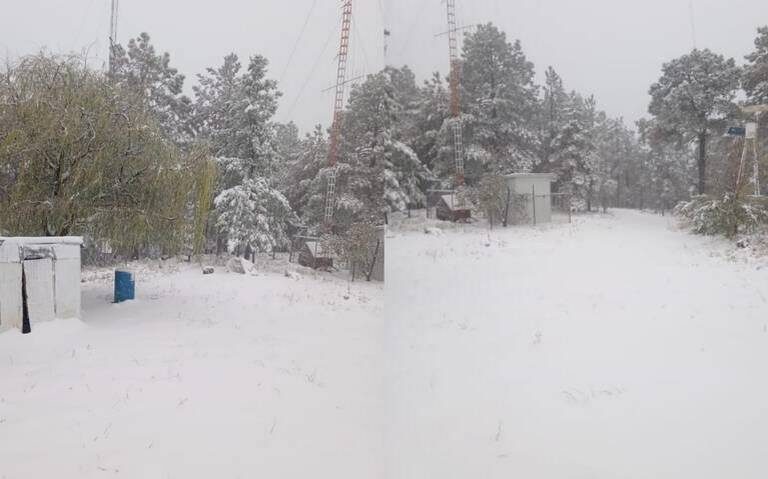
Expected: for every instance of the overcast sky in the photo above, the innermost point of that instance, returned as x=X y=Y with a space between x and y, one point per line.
x=610 y=48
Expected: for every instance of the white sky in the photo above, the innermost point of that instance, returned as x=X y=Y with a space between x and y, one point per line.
x=610 y=48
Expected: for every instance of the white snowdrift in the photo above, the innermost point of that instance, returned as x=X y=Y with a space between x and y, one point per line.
x=618 y=347
x=203 y=376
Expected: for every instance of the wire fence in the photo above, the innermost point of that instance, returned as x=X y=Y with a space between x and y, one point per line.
x=518 y=209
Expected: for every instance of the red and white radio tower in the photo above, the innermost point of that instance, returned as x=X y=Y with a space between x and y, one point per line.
x=338 y=112
x=456 y=127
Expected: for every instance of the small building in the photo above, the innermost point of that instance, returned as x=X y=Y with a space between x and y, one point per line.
x=39 y=280
x=535 y=192
x=312 y=254
x=450 y=208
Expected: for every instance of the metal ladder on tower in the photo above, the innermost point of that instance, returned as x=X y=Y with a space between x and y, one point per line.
x=338 y=111
x=458 y=149
x=330 y=198
x=455 y=80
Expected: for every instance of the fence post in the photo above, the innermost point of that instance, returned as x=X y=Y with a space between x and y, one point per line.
x=533 y=198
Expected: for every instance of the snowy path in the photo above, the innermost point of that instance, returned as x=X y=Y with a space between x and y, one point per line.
x=612 y=348
x=218 y=376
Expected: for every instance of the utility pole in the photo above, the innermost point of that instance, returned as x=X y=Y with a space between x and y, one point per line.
x=338 y=112
x=114 y=13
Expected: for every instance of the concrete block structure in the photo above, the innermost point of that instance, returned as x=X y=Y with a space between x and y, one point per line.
x=41 y=275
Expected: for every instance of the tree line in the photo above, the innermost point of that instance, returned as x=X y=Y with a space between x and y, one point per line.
x=512 y=124
x=130 y=161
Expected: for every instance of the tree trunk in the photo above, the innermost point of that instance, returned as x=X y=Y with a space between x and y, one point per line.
x=702 y=161
x=505 y=222
x=369 y=274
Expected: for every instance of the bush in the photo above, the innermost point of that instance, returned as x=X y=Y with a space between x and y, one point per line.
x=729 y=215
x=493 y=198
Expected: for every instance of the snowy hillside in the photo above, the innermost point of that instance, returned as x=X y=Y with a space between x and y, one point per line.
x=616 y=347
x=203 y=376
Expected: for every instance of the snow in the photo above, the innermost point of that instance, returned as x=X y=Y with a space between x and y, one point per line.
x=618 y=346
x=614 y=347
x=203 y=376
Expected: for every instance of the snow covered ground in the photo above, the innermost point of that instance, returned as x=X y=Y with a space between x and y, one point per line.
x=616 y=347
x=613 y=347
x=219 y=376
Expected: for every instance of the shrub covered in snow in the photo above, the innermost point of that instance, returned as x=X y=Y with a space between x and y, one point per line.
x=254 y=215
x=493 y=197
x=363 y=249
x=727 y=215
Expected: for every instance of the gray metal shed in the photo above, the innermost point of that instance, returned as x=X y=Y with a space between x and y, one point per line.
x=536 y=189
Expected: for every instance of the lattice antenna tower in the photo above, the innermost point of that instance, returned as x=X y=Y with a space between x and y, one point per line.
x=455 y=85
x=338 y=112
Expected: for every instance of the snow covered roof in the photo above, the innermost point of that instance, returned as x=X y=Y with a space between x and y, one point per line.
x=453 y=202
x=42 y=240
x=547 y=176
x=16 y=249
x=317 y=248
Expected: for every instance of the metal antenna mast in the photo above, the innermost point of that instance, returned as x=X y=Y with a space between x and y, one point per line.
x=338 y=112
x=114 y=13
x=456 y=126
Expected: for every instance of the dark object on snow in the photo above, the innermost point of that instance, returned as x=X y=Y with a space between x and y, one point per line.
x=125 y=286
x=208 y=270
x=742 y=243
x=26 y=327
x=312 y=255
x=737 y=131
x=448 y=210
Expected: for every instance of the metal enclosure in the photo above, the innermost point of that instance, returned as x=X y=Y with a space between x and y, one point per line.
x=535 y=191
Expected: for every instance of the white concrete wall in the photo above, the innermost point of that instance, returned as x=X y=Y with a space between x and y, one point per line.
x=53 y=284
x=10 y=287
x=66 y=272
x=38 y=274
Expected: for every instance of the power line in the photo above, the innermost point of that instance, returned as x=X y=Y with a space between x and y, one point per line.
x=412 y=27
x=298 y=40
x=308 y=78
x=362 y=47
x=86 y=16
x=693 y=23
x=381 y=10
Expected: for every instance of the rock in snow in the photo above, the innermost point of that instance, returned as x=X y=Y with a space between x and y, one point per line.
x=292 y=275
x=240 y=266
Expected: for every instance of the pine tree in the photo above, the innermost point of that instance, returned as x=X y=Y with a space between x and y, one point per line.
x=429 y=136
x=150 y=76
x=303 y=185
x=234 y=112
x=694 y=92
x=552 y=118
x=756 y=70
x=254 y=217
x=500 y=100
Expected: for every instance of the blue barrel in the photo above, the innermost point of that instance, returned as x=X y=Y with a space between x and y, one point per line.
x=125 y=286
